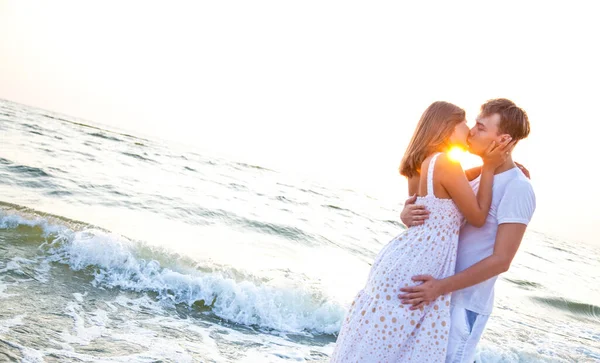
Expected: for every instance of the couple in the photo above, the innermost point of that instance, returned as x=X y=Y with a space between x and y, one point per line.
x=465 y=229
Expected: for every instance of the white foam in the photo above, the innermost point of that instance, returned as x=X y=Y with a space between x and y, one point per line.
x=141 y=305
x=5 y=325
x=12 y=266
x=3 y=287
x=15 y=266
x=42 y=271
x=491 y=353
x=10 y=221
x=30 y=355
x=84 y=335
x=79 y=297
x=269 y=348
x=157 y=347
x=289 y=309
x=202 y=340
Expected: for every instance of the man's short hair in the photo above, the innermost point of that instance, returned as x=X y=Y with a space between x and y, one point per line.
x=513 y=120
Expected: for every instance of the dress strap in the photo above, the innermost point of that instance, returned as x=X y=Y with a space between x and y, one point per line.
x=430 y=175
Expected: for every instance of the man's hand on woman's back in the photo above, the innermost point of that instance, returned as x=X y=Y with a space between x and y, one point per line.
x=413 y=214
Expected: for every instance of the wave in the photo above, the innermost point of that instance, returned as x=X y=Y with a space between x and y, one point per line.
x=117 y=262
x=103 y=136
x=28 y=176
x=289 y=232
x=341 y=209
x=524 y=283
x=237 y=186
x=62 y=119
x=276 y=229
x=32 y=126
x=250 y=166
x=573 y=307
x=137 y=156
x=30 y=171
x=540 y=257
x=311 y=192
x=395 y=223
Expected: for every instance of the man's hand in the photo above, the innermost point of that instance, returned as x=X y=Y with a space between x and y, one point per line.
x=524 y=170
x=421 y=295
x=413 y=214
x=508 y=239
x=497 y=153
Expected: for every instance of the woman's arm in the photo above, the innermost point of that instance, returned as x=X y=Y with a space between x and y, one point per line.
x=473 y=173
x=474 y=208
x=413 y=185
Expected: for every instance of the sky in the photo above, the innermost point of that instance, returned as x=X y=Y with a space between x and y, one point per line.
x=331 y=89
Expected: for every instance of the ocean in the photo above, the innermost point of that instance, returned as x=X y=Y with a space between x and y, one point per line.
x=121 y=248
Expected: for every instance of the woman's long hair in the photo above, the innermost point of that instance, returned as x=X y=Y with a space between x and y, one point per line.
x=431 y=135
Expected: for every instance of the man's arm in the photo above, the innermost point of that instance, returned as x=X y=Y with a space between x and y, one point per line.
x=508 y=240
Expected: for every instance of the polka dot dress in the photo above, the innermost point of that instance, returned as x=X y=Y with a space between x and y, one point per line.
x=378 y=328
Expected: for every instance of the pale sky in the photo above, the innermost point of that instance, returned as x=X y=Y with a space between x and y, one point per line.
x=330 y=89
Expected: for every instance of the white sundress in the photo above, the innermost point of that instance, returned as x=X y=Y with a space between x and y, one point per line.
x=378 y=328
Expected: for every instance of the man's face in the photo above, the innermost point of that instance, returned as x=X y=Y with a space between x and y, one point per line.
x=483 y=133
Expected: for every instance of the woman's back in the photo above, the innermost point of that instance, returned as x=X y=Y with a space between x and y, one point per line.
x=443 y=210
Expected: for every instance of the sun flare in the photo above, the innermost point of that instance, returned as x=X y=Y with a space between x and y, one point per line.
x=457 y=154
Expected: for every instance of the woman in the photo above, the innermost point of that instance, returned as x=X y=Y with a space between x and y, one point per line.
x=378 y=327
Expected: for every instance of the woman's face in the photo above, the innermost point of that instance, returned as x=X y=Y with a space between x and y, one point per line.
x=460 y=135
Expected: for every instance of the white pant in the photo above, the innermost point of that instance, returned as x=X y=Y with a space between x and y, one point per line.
x=466 y=328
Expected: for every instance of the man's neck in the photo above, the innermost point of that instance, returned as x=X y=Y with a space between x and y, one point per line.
x=508 y=164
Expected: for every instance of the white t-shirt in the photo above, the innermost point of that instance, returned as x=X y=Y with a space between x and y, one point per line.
x=513 y=201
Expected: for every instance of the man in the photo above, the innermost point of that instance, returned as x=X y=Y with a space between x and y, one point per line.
x=486 y=252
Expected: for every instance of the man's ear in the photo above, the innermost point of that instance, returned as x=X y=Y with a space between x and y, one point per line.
x=503 y=137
